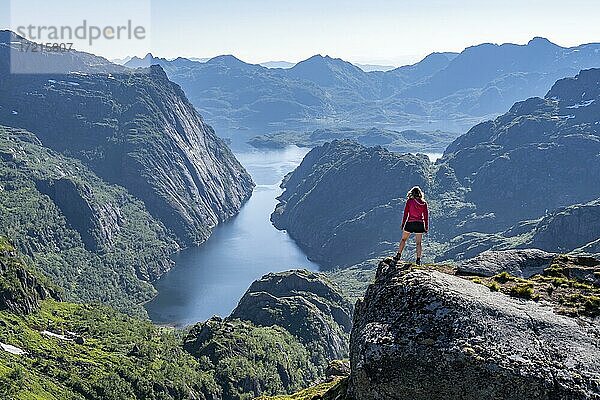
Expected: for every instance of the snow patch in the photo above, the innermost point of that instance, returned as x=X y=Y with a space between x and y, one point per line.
x=9 y=348
x=584 y=104
x=55 y=335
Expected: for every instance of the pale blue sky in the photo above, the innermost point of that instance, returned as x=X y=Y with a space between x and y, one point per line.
x=375 y=31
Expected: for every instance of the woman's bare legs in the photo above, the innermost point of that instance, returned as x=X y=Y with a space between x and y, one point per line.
x=419 y=240
x=405 y=236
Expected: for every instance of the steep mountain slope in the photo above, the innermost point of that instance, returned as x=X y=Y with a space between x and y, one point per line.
x=344 y=202
x=328 y=72
x=135 y=129
x=538 y=62
x=21 y=289
x=94 y=240
x=51 y=350
x=250 y=360
x=541 y=155
x=17 y=56
x=445 y=91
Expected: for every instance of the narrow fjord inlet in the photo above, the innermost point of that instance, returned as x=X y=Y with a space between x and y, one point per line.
x=210 y=279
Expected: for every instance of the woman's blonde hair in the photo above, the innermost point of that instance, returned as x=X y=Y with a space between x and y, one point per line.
x=416 y=193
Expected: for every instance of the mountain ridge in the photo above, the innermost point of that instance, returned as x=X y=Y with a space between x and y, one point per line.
x=446 y=91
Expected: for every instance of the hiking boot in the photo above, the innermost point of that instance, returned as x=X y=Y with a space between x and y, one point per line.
x=418 y=262
x=396 y=258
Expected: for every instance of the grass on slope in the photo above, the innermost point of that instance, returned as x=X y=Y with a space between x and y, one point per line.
x=122 y=357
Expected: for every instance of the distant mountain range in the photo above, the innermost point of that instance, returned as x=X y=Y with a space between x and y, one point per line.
x=445 y=91
x=149 y=58
x=278 y=64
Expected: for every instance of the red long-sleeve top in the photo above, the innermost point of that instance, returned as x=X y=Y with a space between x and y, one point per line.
x=416 y=210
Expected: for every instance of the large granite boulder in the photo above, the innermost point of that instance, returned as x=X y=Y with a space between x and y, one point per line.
x=424 y=334
x=304 y=303
x=521 y=263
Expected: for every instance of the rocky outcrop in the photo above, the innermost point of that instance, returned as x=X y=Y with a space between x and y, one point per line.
x=568 y=228
x=344 y=203
x=425 y=334
x=283 y=336
x=135 y=129
x=521 y=263
x=98 y=224
x=306 y=305
x=20 y=289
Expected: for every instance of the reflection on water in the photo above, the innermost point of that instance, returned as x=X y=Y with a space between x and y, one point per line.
x=210 y=279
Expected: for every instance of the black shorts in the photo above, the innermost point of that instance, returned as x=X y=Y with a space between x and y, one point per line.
x=415 y=227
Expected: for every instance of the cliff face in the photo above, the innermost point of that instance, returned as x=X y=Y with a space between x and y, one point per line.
x=345 y=201
x=93 y=239
x=569 y=228
x=135 y=129
x=20 y=289
x=425 y=334
x=566 y=229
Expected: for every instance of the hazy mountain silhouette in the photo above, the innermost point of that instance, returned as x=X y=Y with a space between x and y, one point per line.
x=446 y=91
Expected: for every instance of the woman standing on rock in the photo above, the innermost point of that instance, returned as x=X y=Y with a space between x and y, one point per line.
x=415 y=220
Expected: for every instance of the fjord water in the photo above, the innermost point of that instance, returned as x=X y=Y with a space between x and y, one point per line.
x=210 y=279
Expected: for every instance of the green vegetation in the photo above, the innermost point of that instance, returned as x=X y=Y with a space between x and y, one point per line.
x=524 y=290
x=504 y=277
x=122 y=357
x=92 y=239
x=21 y=288
x=87 y=351
x=250 y=360
x=353 y=281
x=561 y=284
x=333 y=389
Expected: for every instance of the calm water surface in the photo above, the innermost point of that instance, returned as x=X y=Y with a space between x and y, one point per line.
x=210 y=279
